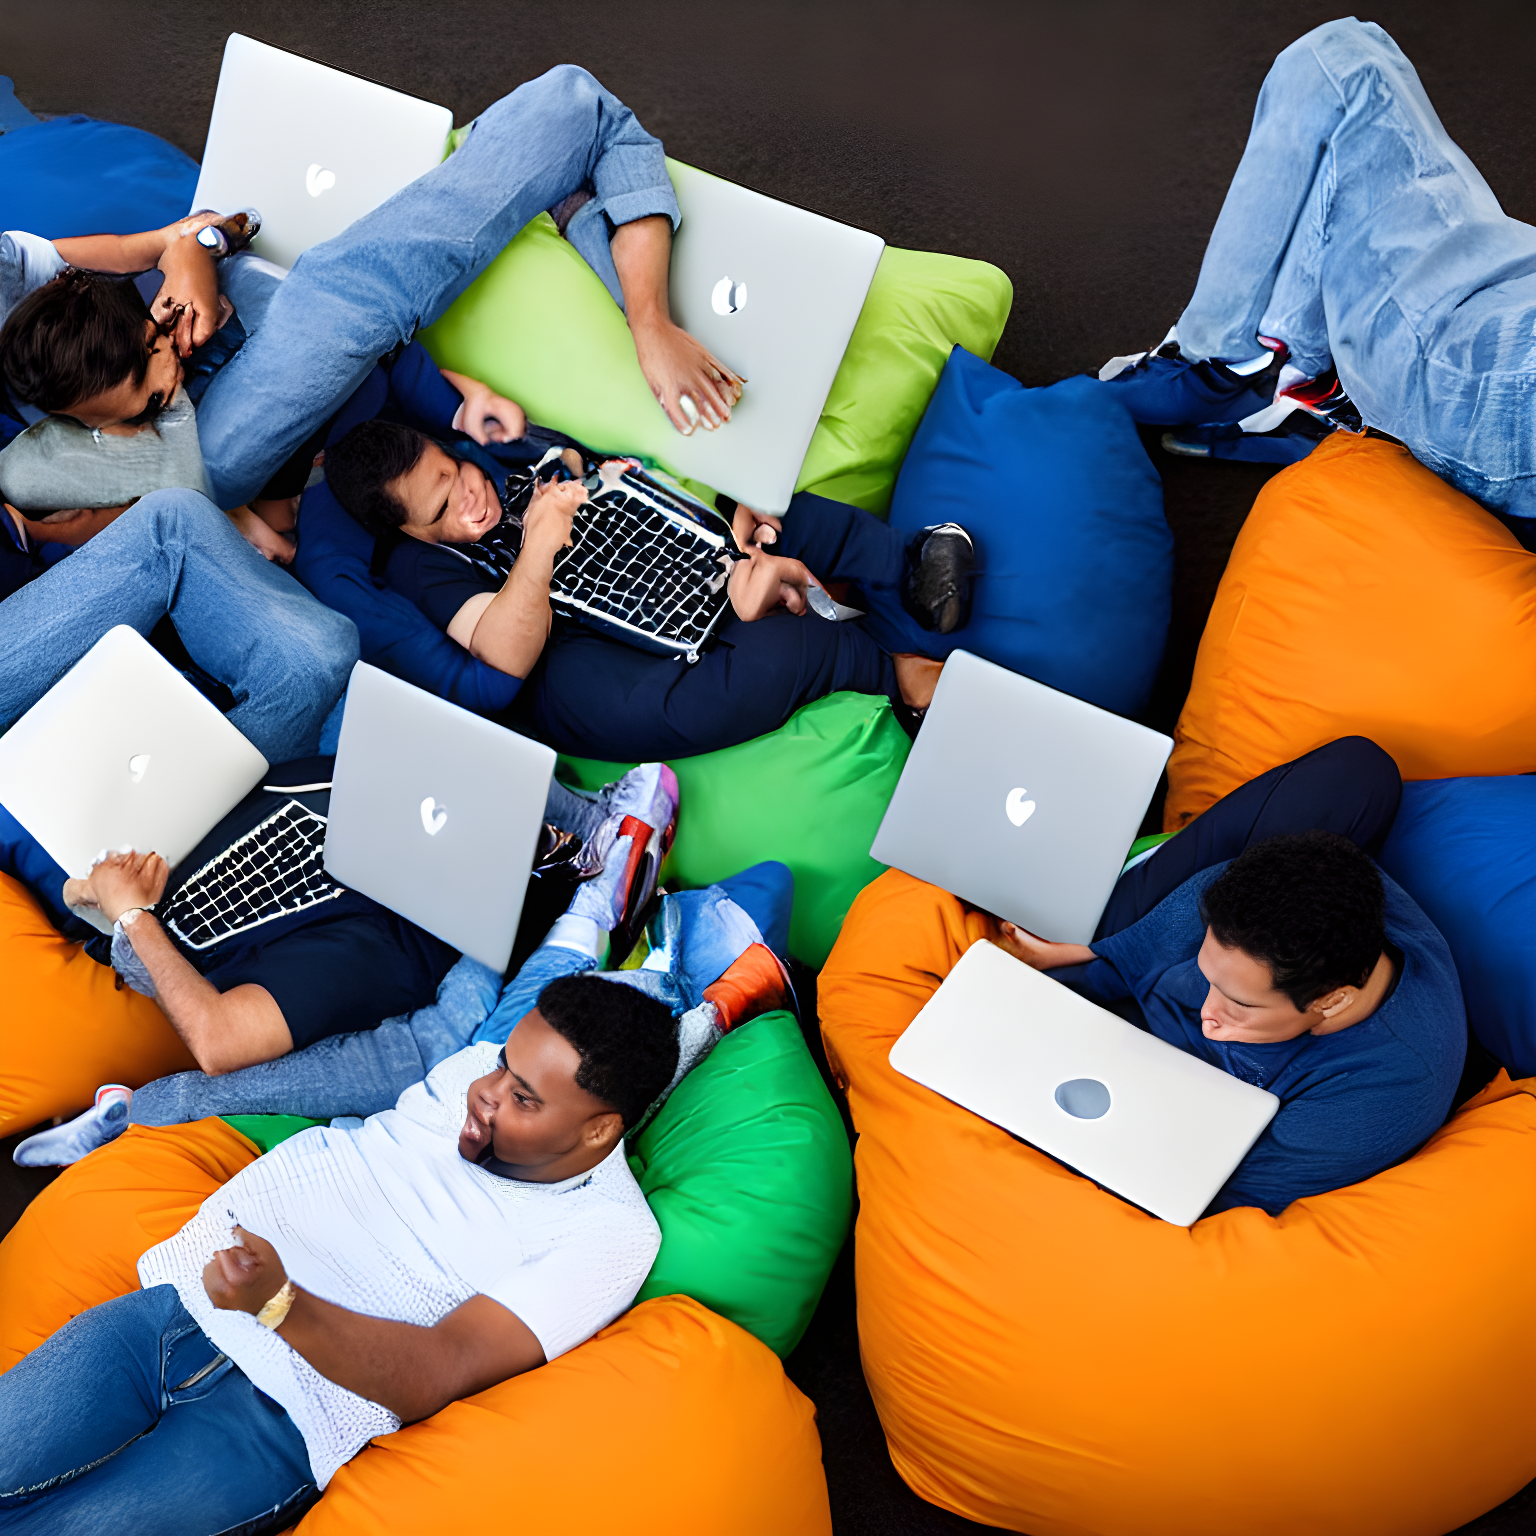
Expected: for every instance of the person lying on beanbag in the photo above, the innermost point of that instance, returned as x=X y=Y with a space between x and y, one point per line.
x=1270 y=945
x=1362 y=272
x=475 y=556
x=248 y=982
x=350 y=1281
x=306 y=341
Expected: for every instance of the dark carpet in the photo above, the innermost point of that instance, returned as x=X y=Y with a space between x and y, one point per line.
x=1084 y=148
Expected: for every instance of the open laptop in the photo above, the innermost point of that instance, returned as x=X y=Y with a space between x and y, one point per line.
x=123 y=752
x=1020 y=799
x=1156 y=1125
x=310 y=148
x=774 y=292
x=435 y=813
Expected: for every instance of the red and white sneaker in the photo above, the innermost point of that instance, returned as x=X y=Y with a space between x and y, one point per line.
x=632 y=847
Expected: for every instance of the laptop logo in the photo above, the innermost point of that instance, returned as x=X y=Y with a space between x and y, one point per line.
x=728 y=297
x=432 y=824
x=1019 y=809
x=317 y=180
x=138 y=765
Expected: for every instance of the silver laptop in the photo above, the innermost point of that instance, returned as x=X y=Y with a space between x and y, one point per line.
x=1141 y=1117
x=773 y=292
x=310 y=148
x=123 y=752
x=435 y=813
x=1020 y=799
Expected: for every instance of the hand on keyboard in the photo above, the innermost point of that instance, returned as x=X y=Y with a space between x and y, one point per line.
x=123 y=881
x=547 y=522
x=762 y=583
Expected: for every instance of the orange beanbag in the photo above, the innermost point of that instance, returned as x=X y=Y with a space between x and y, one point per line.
x=670 y=1422
x=65 y=1025
x=1364 y=597
x=1047 y=1358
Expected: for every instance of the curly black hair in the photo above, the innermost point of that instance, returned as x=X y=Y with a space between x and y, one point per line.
x=1309 y=905
x=361 y=468
x=627 y=1040
x=77 y=335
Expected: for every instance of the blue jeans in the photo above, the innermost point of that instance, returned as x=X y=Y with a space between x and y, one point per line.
x=1356 y=232
x=246 y=622
x=363 y=1073
x=99 y=1433
x=353 y=299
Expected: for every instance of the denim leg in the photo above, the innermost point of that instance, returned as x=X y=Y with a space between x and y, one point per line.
x=1356 y=228
x=1350 y=786
x=351 y=300
x=245 y=621
x=92 y=1424
x=250 y=284
x=356 y=1074
x=546 y=964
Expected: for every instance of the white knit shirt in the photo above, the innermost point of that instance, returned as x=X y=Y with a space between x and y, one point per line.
x=388 y=1220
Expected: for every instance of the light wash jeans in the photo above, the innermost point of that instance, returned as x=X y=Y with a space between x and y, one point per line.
x=700 y=933
x=246 y=622
x=351 y=300
x=98 y=1432
x=1357 y=233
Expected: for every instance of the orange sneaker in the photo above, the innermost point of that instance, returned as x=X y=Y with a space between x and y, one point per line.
x=754 y=985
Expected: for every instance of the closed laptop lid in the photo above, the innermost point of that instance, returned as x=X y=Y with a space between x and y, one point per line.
x=123 y=752
x=1151 y=1122
x=311 y=148
x=435 y=813
x=1020 y=799
x=774 y=292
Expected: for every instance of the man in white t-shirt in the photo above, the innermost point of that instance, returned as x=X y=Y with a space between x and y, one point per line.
x=351 y=1281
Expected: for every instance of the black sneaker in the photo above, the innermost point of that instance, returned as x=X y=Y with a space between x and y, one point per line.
x=941 y=568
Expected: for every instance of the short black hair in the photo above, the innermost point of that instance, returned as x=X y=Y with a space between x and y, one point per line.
x=361 y=467
x=627 y=1040
x=1309 y=905
x=74 y=337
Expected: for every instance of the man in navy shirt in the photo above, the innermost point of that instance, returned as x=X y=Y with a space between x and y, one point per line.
x=1295 y=965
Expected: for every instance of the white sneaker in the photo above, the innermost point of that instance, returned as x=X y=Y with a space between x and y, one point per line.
x=61 y=1145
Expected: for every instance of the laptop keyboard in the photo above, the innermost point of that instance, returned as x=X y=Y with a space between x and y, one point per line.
x=274 y=870
x=638 y=559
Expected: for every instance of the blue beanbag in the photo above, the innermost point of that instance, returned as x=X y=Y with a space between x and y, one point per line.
x=1465 y=850
x=76 y=176
x=1067 y=514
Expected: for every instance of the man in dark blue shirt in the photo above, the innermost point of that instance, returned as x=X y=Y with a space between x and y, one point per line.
x=1291 y=962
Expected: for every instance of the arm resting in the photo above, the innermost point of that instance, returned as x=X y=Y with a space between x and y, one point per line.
x=412 y=1371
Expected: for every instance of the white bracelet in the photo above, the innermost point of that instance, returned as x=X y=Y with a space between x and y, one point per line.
x=129 y=917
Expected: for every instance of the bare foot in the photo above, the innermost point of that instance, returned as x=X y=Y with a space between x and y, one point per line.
x=916 y=678
x=694 y=388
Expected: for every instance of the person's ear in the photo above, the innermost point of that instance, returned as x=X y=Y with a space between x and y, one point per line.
x=603 y=1131
x=1330 y=1006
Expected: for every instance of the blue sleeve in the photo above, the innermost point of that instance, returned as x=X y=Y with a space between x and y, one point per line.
x=419 y=394
x=1170 y=933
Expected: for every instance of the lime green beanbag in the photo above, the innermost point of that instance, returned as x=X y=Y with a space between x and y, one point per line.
x=539 y=326
x=810 y=794
x=748 y=1172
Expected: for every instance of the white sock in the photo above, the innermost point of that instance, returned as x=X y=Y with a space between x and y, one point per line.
x=62 y=1145
x=579 y=933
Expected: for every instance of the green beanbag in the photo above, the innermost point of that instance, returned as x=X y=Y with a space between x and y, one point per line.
x=539 y=326
x=748 y=1171
x=810 y=794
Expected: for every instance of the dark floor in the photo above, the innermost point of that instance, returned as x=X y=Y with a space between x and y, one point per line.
x=1083 y=147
